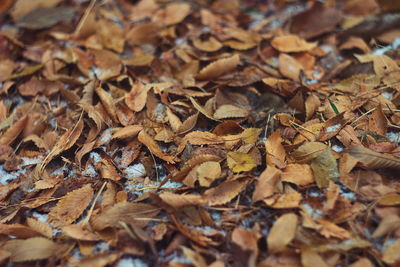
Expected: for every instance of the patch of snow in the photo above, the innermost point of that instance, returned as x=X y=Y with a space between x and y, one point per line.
x=30 y=161
x=171 y=184
x=6 y=177
x=90 y=171
x=316 y=194
x=135 y=170
x=387 y=95
x=349 y=195
x=131 y=262
x=337 y=148
x=95 y=157
x=333 y=128
x=56 y=232
x=180 y=41
x=101 y=247
x=40 y=216
x=314 y=213
x=106 y=136
x=76 y=254
x=393 y=137
x=385 y=49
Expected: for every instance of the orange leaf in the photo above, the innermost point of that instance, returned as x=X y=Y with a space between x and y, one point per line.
x=146 y=140
x=291 y=43
x=276 y=154
x=219 y=67
x=225 y=192
x=282 y=232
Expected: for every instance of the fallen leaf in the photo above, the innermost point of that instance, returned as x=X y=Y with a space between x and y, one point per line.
x=207 y=172
x=299 y=174
x=282 y=232
x=266 y=183
x=35 y=248
x=276 y=154
x=45 y=17
x=240 y=162
x=146 y=140
x=325 y=168
x=291 y=43
x=224 y=192
x=71 y=206
x=391 y=254
x=219 y=67
x=373 y=160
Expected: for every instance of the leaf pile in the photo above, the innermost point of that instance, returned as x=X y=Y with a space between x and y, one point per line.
x=204 y=133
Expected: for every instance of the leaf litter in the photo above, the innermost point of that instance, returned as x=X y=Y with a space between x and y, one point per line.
x=199 y=133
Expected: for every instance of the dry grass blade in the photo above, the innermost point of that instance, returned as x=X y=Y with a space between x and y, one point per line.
x=373 y=160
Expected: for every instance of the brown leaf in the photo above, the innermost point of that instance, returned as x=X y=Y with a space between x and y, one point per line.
x=191 y=163
x=225 y=192
x=325 y=168
x=136 y=98
x=209 y=45
x=188 y=124
x=378 y=122
x=194 y=257
x=308 y=151
x=291 y=43
x=108 y=103
x=208 y=172
x=14 y=131
x=373 y=160
x=230 y=111
x=391 y=254
x=18 y=230
x=240 y=162
x=79 y=233
x=178 y=201
x=289 y=67
x=311 y=258
x=282 y=232
x=45 y=17
x=146 y=140
x=40 y=227
x=199 y=138
x=332 y=127
x=127 y=132
x=299 y=174
x=172 y=14
x=219 y=67
x=65 y=142
x=276 y=154
x=138 y=214
x=266 y=183
x=71 y=206
x=35 y=248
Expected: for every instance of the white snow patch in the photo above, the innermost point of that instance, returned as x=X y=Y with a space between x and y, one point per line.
x=136 y=170
x=95 y=157
x=90 y=171
x=30 y=161
x=387 y=95
x=171 y=185
x=333 y=128
x=131 y=262
x=385 y=49
x=40 y=216
x=106 y=136
x=314 y=213
x=6 y=177
x=393 y=137
x=337 y=148
x=349 y=195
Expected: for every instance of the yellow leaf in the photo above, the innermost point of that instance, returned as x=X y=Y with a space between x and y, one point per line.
x=240 y=162
x=282 y=232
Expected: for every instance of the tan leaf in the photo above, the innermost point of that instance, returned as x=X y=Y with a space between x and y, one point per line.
x=390 y=200
x=250 y=135
x=245 y=239
x=391 y=254
x=35 y=248
x=138 y=214
x=127 y=132
x=146 y=140
x=373 y=160
x=207 y=172
x=230 y=111
x=40 y=227
x=99 y=260
x=276 y=154
x=174 y=120
x=325 y=168
x=13 y=131
x=199 y=138
x=332 y=127
x=289 y=67
x=188 y=124
x=71 y=206
x=225 y=192
x=266 y=183
x=388 y=225
x=136 y=98
x=202 y=109
x=310 y=258
x=282 y=232
x=378 y=122
x=219 y=67
x=107 y=170
x=240 y=162
x=330 y=229
x=194 y=257
x=178 y=201
x=209 y=45
x=191 y=163
x=172 y=14
x=18 y=230
x=108 y=103
x=291 y=43
x=308 y=151
x=299 y=174
x=79 y=233
x=284 y=201
x=66 y=141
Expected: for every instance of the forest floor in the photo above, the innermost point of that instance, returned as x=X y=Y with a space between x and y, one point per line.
x=199 y=133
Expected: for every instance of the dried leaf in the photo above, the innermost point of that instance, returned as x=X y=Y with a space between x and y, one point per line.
x=325 y=168
x=219 y=67
x=224 y=192
x=146 y=140
x=230 y=111
x=311 y=258
x=138 y=214
x=136 y=98
x=35 y=248
x=299 y=174
x=308 y=151
x=282 y=232
x=391 y=254
x=266 y=183
x=127 y=132
x=207 y=172
x=291 y=43
x=79 y=233
x=240 y=162
x=13 y=132
x=276 y=154
x=71 y=206
x=373 y=160
x=289 y=67
x=108 y=103
x=45 y=17
x=178 y=201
